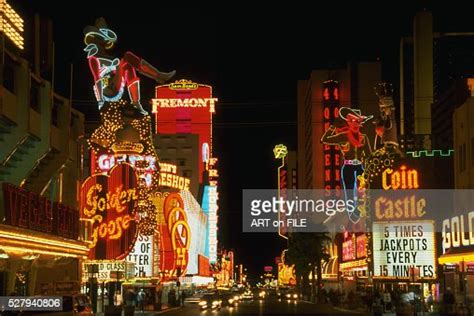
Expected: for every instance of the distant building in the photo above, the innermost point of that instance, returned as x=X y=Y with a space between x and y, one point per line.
x=430 y=63
x=464 y=145
x=442 y=111
x=181 y=150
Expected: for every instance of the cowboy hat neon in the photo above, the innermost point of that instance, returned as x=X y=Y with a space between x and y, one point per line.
x=344 y=112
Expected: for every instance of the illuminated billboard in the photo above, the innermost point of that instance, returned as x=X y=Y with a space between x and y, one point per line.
x=11 y=24
x=108 y=203
x=331 y=105
x=186 y=107
x=107 y=270
x=169 y=177
x=197 y=222
x=175 y=236
x=142 y=256
x=404 y=250
x=210 y=207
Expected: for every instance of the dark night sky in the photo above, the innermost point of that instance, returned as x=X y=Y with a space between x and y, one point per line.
x=253 y=58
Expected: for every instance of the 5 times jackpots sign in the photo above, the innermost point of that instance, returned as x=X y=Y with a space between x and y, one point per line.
x=404 y=250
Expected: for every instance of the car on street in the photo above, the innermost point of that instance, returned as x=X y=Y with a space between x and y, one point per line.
x=210 y=301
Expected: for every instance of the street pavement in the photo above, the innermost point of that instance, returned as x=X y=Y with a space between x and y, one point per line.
x=265 y=307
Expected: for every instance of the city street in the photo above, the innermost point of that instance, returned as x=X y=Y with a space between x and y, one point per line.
x=265 y=308
x=236 y=161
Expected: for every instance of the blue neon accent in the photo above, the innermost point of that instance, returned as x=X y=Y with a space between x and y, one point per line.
x=91 y=50
x=205 y=208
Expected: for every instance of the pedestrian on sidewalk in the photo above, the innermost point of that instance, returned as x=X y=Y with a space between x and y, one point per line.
x=183 y=296
x=141 y=300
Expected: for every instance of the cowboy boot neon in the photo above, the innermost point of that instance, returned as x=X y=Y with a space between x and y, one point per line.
x=146 y=69
x=151 y=72
x=134 y=93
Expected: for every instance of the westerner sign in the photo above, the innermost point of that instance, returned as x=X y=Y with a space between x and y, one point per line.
x=404 y=249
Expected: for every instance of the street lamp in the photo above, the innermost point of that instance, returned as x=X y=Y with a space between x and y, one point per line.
x=280 y=151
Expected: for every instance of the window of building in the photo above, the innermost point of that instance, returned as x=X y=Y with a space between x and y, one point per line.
x=472 y=152
x=464 y=154
x=187 y=173
x=35 y=95
x=181 y=162
x=9 y=74
x=187 y=150
x=55 y=112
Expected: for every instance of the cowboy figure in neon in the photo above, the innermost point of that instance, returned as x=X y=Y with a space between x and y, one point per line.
x=113 y=75
x=385 y=123
x=355 y=148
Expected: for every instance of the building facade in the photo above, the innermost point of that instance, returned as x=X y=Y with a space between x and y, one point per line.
x=430 y=64
x=40 y=240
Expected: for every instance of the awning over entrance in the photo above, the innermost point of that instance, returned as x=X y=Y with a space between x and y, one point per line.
x=23 y=241
x=347 y=266
x=330 y=268
x=456 y=258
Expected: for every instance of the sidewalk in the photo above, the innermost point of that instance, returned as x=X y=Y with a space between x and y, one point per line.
x=148 y=313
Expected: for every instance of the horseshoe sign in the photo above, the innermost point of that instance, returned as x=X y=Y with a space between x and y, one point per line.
x=175 y=237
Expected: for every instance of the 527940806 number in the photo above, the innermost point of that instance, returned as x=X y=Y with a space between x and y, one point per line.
x=31 y=303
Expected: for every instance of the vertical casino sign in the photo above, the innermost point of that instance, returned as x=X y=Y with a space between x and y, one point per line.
x=331 y=106
x=108 y=203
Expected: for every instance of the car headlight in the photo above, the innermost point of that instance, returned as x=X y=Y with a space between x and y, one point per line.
x=236 y=297
x=215 y=303
x=295 y=295
x=288 y=295
x=202 y=303
x=231 y=300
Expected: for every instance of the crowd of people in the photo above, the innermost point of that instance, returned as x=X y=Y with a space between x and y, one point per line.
x=389 y=300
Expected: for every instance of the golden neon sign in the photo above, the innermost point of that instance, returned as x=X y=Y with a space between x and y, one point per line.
x=183 y=84
x=174 y=181
x=117 y=200
x=404 y=208
x=185 y=103
x=400 y=179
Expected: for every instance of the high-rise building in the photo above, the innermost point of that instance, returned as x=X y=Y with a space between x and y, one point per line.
x=181 y=150
x=464 y=145
x=319 y=99
x=430 y=63
x=442 y=112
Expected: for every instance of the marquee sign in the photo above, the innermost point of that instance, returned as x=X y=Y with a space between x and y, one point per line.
x=402 y=249
x=107 y=270
x=108 y=202
x=142 y=256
